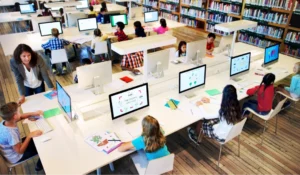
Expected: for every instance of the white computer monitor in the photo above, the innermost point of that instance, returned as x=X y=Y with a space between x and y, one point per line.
x=87 y=24
x=64 y=101
x=46 y=27
x=118 y=18
x=27 y=8
x=271 y=55
x=192 y=78
x=239 y=65
x=87 y=73
x=129 y=100
x=196 y=50
x=151 y=16
x=155 y=57
x=136 y=12
x=225 y=44
x=84 y=5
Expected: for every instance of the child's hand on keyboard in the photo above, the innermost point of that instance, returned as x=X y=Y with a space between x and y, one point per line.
x=35 y=133
x=205 y=100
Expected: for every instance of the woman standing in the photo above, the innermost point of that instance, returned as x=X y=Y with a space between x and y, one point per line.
x=30 y=72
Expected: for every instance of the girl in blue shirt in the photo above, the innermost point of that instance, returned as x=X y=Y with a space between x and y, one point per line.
x=152 y=140
x=294 y=89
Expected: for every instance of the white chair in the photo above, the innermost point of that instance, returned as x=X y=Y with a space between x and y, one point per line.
x=294 y=100
x=60 y=56
x=271 y=114
x=10 y=166
x=100 y=48
x=156 y=166
x=235 y=131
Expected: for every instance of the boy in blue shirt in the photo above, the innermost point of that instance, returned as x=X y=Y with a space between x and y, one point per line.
x=100 y=17
x=12 y=147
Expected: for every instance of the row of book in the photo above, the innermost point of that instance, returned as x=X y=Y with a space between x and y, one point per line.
x=196 y=3
x=219 y=18
x=147 y=9
x=170 y=7
x=227 y=8
x=267 y=30
x=282 y=4
x=189 y=22
x=211 y=28
x=266 y=16
x=151 y=3
x=297 y=6
x=175 y=1
x=259 y=42
x=168 y=16
x=193 y=13
x=292 y=51
x=138 y=1
x=293 y=37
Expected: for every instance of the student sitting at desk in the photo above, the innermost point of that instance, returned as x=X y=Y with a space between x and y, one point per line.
x=100 y=17
x=120 y=33
x=152 y=140
x=12 y=147
x=210 y=43
x=163 y=27
x=103 y=5
x=98 y=37
x=62 y=19
x=92 y=12
x=139 y=30
x=217 y=125
x=30 y=72
x=265 y=95
x=55 y=44
x=181 y=52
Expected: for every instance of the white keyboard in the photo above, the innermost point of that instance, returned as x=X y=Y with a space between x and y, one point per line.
x=43 y=125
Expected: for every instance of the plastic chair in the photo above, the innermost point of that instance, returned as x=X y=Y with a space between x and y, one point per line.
x=60 y=56
x=235 y=131
x=156 y=166
x=100 y=48
x=10 y=166
x=271 y=114
x=294 y=100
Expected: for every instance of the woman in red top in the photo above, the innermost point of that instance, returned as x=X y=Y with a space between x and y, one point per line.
x=265 y=95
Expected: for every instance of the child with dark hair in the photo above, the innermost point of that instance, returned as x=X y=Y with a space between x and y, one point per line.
x=139 y=30
x=92 y=12
x=210 y=43
x=181 y=52
x=163 y=27
x=100 y=17
x=120 y=33
x=218 y=124
x=265 y=95
x=103 y=5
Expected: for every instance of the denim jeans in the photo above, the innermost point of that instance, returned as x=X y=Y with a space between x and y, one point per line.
x=252 y=104
x=30 y=152
x=30 y=91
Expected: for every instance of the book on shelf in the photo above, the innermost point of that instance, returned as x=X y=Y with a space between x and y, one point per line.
x=254 y=40
x=189 y=22
x=169 y=7
x=282 y=4
x=274 y=32
x=219 y=18
x=169 y=16
x=292 y=51
x=196 y=3
x=150 y=3
x=193 y=13
x=293 y=37
x=226 y=8
x=266 y=16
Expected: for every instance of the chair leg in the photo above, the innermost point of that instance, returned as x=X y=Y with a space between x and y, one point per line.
x=9 y=170
x=99 y=171
x=239 y=145
x=220 y=156
x=262 y=139
x=111 y=166
x=276 y=124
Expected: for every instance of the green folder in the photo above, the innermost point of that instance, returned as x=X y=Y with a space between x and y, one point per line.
x=213 y=92
x=51 y=112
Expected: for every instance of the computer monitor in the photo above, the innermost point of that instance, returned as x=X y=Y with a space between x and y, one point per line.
x=129 y=100
x=27 y=8
x=151 y=16
x=46 y=27
x=271 y=55
x=87 y=24
x=239 y=64
x=84 y=5
x=118 y=18
x=225 y=44
x=64 y=101
x=136 y=12
x=87 y=73
x=192 y=78
x=196 y=50
x=155 y=57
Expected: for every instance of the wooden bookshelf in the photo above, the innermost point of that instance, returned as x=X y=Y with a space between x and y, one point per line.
x=294 y=29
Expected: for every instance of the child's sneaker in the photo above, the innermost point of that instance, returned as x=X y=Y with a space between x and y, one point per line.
x=64 y=70
x=54 y=71
x=192 y=135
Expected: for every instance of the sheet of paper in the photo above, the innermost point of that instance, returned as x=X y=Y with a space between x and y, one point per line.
x=51 y=112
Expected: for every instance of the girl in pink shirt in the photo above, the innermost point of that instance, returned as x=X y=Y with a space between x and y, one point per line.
x=163 y=27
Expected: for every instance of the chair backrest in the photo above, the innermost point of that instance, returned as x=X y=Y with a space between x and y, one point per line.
x=72 y=18
x=59 y=56
x=36 y=20
x=277 y=109
x=100 y=47
x=235 y=130
x=160 y=165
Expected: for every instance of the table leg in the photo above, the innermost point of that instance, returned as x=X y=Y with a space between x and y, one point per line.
x=111 y=166
x=99 y=171
x=145 y=66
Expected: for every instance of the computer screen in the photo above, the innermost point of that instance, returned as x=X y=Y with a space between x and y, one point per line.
x=87 y=24
x=129 y=100
x=151 y=16
x=118 y=18
x=84 y=5
x=27 y=8
x=46 y=27
x=192 y=78
x=240 y=63
x=271 y=54
x=64 y=100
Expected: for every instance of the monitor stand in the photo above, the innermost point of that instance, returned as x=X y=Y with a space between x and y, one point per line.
x=236 y=79
x=98 y=90
x=131 y=120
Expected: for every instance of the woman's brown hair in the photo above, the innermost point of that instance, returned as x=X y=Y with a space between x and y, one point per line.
x=153 y=137
x=25 y=48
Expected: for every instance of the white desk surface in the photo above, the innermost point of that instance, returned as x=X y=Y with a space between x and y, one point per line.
x=17 y=16
x=11 y=2
x=67 y=152
x=10 y=41
x=236 y=25
x=62 y=4
x=111 y=8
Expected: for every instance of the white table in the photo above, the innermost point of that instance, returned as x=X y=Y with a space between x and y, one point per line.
x=67 y=152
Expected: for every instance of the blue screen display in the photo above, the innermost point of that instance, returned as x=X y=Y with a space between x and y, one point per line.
x=27 y=8
x=271 y=54
x=64 y=100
